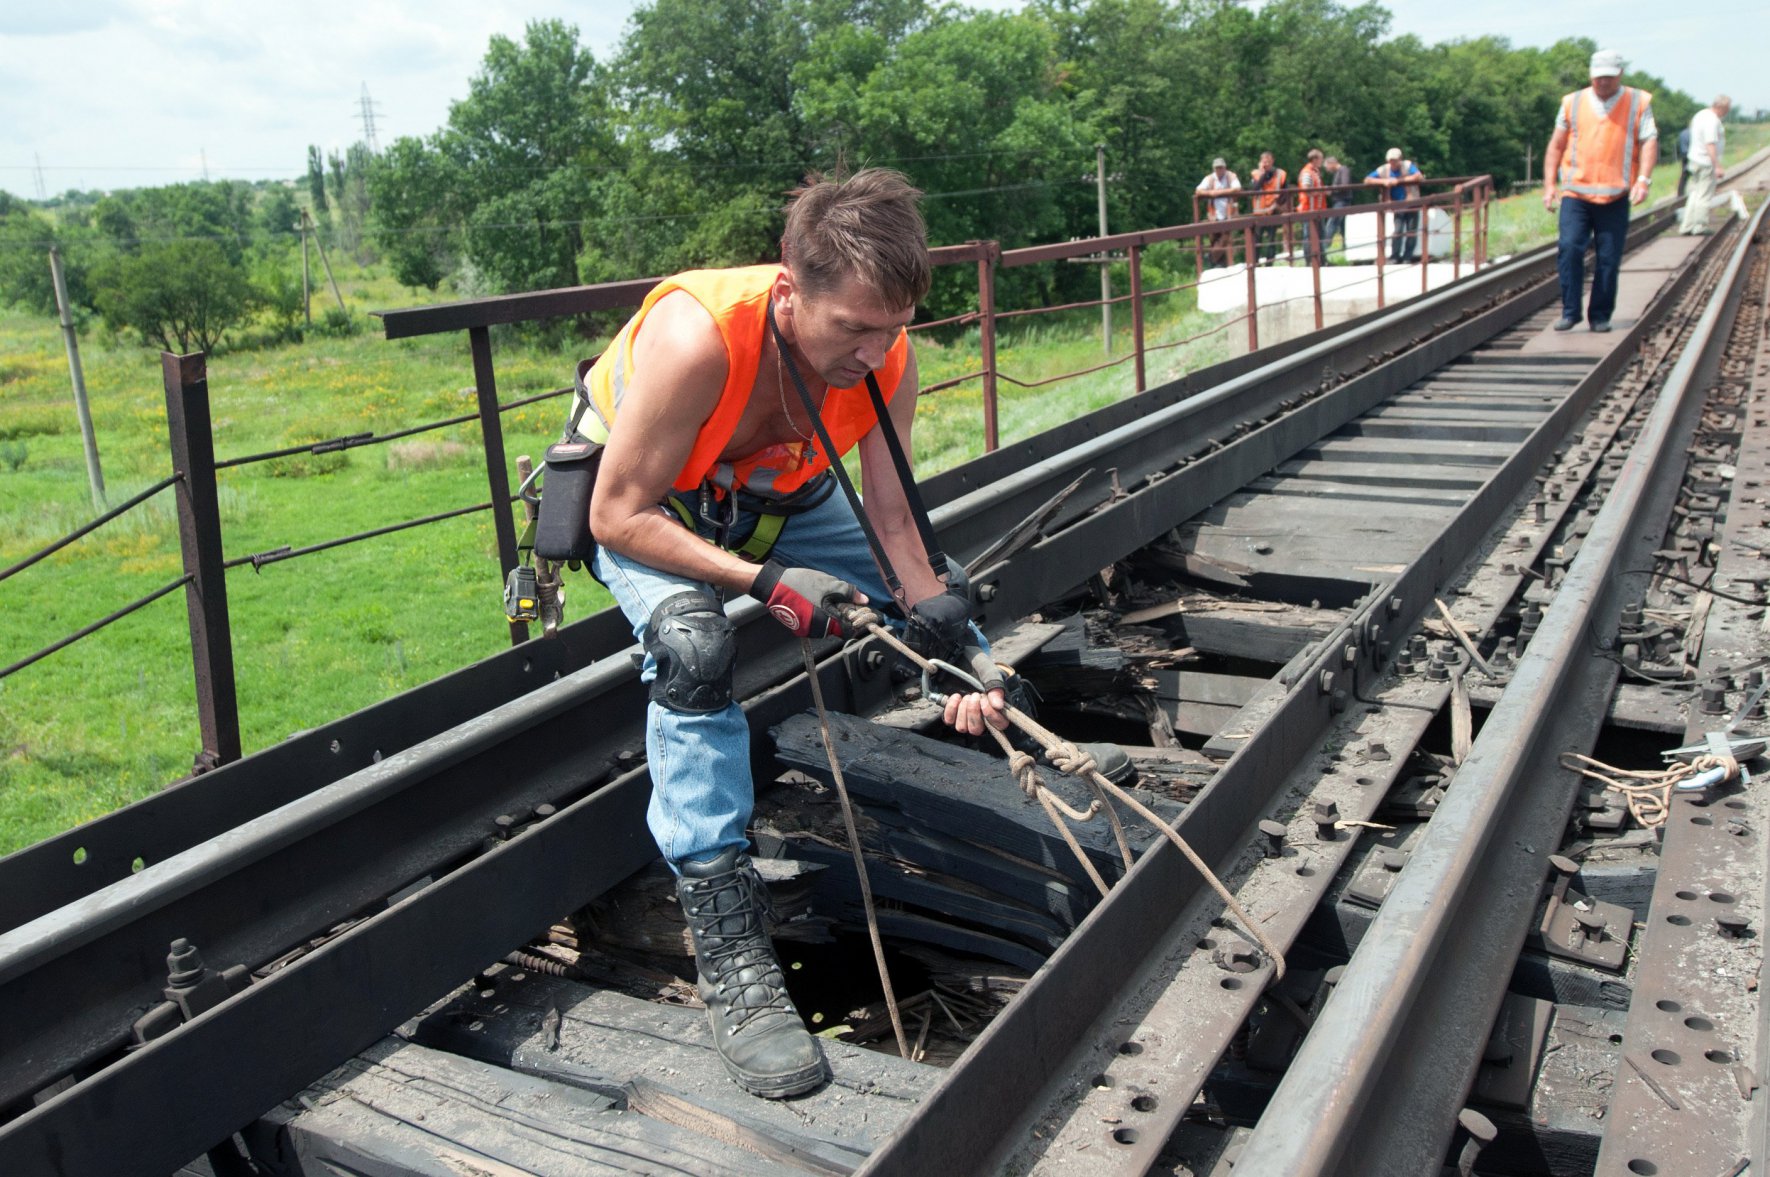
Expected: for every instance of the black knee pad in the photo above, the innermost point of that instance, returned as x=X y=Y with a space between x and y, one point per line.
x=694 y=645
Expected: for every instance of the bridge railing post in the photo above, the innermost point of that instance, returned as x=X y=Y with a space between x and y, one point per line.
x=189 y=430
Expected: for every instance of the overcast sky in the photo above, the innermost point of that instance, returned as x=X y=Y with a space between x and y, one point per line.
x=123 y=93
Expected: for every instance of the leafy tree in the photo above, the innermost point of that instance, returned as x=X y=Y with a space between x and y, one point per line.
x=510 y=172
x=181 y=296
x=316 y=180
x=275 y=216
x=25 y=238
x=219 y=211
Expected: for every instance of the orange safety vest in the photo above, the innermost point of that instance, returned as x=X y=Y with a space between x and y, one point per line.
x=738 y=301
x=1266 y=204
x=1312 y=199
x=1599 y=165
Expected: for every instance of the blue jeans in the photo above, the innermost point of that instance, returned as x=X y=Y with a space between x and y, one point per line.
x=702 y=792
x=1581 y=223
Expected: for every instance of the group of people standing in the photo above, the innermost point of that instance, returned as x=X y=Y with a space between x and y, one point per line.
x=1324 y=184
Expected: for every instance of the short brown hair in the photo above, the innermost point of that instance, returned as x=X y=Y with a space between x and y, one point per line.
x=1315 y=155
x=867 y=226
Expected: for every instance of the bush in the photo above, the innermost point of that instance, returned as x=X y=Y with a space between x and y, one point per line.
x=181 y=296
x=13 y=453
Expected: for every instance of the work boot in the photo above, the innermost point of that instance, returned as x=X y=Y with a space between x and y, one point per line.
x=758 y=1033
x=1566 y=324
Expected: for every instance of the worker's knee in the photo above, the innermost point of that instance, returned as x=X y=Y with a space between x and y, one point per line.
x=694 y=645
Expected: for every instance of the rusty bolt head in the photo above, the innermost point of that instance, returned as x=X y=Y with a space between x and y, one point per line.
x=1376 y=750
x=1563 y=865
x=1275 y=832
x=1732 y=927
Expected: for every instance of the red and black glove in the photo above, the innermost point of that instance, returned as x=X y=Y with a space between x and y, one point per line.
x=803 y=599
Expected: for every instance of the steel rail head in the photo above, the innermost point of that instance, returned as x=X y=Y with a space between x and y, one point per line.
x=104 y=911
x=1329 y=1097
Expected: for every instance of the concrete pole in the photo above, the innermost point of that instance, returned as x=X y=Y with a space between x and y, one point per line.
x=1105 y=267
x=94 y=475
x=321 y=245
x=306 y=285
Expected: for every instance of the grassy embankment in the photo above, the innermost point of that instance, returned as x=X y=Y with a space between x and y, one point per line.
x=112 y=718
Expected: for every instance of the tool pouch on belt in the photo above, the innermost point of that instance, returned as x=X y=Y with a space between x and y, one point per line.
x=562 y=530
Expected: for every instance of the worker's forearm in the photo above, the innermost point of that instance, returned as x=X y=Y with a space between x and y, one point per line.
x=658 y=541
x=903 y=544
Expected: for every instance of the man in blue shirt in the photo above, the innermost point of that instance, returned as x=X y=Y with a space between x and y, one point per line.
x=1399 y=178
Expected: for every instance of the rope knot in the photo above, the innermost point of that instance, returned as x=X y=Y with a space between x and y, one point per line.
x=1025 y=771
x=1072 y=760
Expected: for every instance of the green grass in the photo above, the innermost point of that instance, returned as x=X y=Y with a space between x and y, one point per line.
x=112 y=718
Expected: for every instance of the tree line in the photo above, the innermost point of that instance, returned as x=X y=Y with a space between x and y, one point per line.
x=557 y=168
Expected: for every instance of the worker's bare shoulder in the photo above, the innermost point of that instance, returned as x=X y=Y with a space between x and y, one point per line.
x=679 y=335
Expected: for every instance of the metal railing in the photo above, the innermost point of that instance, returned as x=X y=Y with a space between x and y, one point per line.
x=195 y=465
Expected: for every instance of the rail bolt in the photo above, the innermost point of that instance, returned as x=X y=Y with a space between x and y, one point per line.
x=1327 y=820
x=1275 y=832
x=1481 y=1133
x=1732 y=927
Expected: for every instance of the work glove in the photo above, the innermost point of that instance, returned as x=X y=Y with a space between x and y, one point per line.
x=939 y=626
x=803 y=599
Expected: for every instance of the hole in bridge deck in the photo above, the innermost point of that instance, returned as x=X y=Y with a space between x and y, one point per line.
x=1144 y=1103
x=1718 y=1056
x=1130 y=1048
x=1126 y=1135
x=1666 y=1058
x=1643 y=1168
x=1667 y=1005
x=1720 y=897
x=79 y=855
x=1698 y=1023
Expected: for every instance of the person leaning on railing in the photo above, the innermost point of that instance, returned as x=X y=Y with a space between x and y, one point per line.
x=1339 y=179
x=1269 y=181
x=1223 y=186
x=1400 y=180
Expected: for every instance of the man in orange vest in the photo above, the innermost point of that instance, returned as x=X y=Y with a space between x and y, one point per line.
x=705 y=399
x=1601 y=157
x=1268 y=179
x=1312 y=200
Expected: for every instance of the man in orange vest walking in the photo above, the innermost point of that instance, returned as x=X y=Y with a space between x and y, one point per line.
x=1601 y=157
x=706 y=401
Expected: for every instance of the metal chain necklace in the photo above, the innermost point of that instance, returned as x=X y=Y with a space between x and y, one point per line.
x=807 y=441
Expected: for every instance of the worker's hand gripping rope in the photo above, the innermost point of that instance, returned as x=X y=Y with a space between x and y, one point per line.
x=1068 y=758
x=806 y=601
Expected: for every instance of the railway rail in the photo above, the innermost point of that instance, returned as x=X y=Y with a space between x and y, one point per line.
x=1556 y=493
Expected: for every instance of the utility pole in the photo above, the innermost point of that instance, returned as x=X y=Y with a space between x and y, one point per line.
x=204 y=156
x=1105 y=266
x=1527 y=163
x=42 y=192
x=306 y=287
x=94 y=475
x=328 y=265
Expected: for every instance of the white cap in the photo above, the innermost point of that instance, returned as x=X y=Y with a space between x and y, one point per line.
x=1394 y=153
x=1607 y=63
x=1218 y=163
